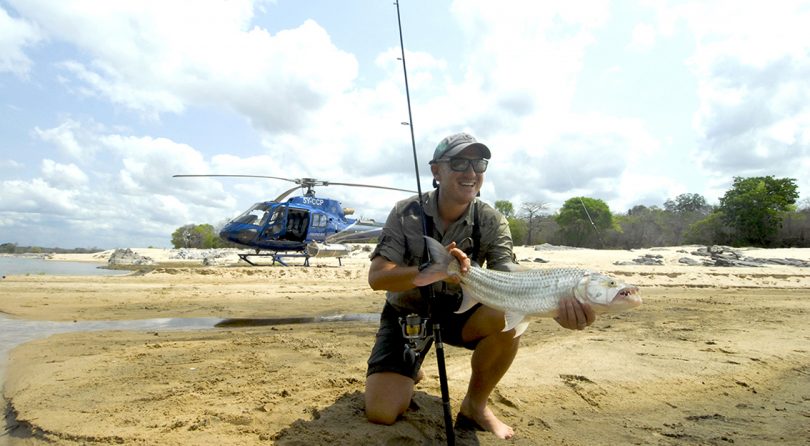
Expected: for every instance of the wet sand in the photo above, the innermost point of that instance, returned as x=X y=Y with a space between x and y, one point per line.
x=714 y=356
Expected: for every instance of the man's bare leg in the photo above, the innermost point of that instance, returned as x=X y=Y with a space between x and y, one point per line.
x=388 y=396
x=491 y=359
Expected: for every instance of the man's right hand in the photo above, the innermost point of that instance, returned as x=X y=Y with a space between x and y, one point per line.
x=574 y=315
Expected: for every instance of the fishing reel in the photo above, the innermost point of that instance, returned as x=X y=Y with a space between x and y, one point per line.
x=414 y=329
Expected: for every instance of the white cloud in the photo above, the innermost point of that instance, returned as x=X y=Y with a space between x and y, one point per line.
x=523 y=70
x=591 y=155
x=37 y=196
x=63 y=176
x=10 y=164
x=141 y=200
x=643 y=38
x=15 y=35
x=161 y=57
x=516 y=96
x=752 y=62
x=103 y=80
x=516 y=88
x=513 y=83
x=69 y=137
x=533 y=52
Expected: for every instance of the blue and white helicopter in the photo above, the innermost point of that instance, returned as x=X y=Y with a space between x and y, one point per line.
x=303 y=226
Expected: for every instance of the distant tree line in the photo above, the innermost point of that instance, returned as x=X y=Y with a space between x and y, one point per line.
x=13 y=248
x=755 y=211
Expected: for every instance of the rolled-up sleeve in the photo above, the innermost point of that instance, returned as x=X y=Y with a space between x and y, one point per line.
x=392 y=240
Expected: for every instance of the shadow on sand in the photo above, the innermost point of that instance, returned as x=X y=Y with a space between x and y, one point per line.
x=13 y=429
x=344 y=422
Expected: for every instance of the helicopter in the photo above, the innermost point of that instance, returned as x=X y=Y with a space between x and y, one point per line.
x=302 y=226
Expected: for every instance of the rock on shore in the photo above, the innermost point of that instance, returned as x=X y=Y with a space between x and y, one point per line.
x=128 y=257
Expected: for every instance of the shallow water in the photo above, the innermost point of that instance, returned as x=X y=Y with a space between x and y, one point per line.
x=254 y=322
x=14 y=332
x=18 y=265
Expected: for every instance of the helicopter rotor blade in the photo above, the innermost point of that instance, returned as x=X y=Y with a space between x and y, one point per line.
x=308 y=183
x=284 y=195
x=297 y=181
x=329 y=183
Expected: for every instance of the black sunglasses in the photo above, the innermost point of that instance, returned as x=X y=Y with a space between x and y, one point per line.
x=462 y=164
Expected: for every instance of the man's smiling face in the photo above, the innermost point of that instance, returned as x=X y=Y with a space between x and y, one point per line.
x=459 y=187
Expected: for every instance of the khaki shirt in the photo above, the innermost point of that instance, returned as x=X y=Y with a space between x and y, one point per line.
x=402 y=242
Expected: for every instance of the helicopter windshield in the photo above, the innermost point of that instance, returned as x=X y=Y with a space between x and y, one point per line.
x=256 y=215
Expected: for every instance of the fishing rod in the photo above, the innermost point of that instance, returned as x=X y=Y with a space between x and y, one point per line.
x=412 y=329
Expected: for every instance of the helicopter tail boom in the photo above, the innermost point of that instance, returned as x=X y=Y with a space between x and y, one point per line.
x=316 y=249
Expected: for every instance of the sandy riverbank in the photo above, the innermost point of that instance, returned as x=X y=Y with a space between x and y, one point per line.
x=714 y=356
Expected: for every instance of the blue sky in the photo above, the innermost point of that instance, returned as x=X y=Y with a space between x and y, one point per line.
x=630 y=102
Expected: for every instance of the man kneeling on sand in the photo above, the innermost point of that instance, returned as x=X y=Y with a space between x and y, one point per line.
x=471 y=230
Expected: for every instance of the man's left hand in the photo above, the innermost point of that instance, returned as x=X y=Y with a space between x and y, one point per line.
x=463 y=260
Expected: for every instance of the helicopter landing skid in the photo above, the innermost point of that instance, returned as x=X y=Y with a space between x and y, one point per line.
x=277 y=257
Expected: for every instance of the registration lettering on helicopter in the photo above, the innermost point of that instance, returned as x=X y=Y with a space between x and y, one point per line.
x=313 y=201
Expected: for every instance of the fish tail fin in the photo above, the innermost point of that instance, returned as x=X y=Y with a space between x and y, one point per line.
x=437 y=269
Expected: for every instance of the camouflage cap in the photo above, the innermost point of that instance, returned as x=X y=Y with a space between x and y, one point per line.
x=454 y=144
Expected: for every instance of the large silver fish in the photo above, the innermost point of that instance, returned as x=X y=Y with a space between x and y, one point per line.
x=535 y=292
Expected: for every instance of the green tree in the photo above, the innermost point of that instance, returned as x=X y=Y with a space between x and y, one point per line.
x=518 y=229
x=688 y=204
x=711 y=230
x=8 y=248
x=795 y=230
x=197 y=236
x=516 y=226
x=754 y=207
x=581 y=219
x=682 y=212
x=643 y=227
x=181 y=237
x=209 y=237
x=505 y=207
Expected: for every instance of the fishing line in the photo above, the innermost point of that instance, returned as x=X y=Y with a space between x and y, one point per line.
x=582 y=202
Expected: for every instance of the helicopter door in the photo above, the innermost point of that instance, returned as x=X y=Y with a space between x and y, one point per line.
x=274 y=226
x=318 y=227
x=297 y=225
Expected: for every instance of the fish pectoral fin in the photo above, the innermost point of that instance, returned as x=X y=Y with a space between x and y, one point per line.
x=512 y=320
x=468 y=301
x=521 y=327
x=432 y=274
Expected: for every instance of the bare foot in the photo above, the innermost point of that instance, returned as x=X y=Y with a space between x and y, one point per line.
x=487 y=420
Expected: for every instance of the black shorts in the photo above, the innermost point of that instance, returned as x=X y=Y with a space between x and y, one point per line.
x=389 y=355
